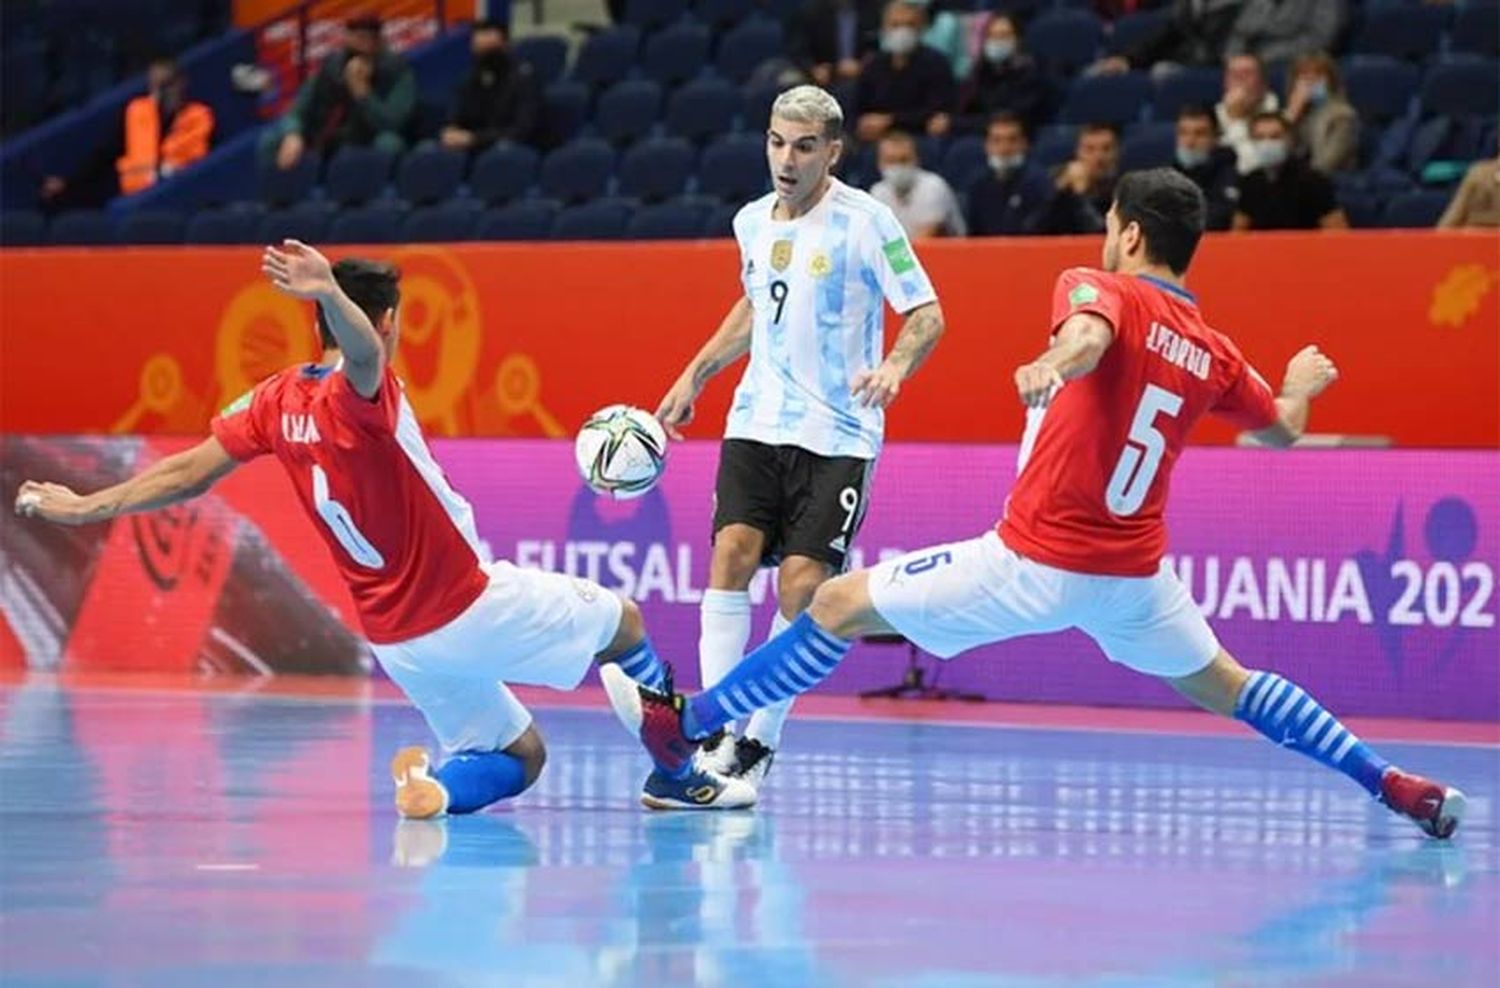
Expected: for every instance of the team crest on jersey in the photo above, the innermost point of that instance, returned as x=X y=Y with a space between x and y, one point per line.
x=1083 y=294
x=781 y=254
x=820 y=265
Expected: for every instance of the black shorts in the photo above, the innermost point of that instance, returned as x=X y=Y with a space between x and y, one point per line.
x=806 y=504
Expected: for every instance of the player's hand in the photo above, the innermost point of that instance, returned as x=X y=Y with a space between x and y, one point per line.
x=1308 y=374
x=54 y=503
x=298 y=270
x=1036 y=383
x=676 y=408
x=879 y=387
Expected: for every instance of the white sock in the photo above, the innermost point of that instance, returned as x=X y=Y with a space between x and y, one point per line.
x=723 y=632
x=767 y=722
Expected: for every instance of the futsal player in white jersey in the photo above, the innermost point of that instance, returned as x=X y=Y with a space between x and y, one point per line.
x=818 y=262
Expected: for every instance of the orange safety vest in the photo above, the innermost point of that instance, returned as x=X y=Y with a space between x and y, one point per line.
x=148 y=152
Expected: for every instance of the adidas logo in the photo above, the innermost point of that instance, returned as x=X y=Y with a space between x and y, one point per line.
x=839 y=544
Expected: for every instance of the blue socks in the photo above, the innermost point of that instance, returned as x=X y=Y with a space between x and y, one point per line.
x=475 y=779
x=644 y=666
x=789 y=664
x=1283 y=712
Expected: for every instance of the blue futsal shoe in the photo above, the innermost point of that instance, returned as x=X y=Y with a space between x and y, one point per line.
x=697 y=790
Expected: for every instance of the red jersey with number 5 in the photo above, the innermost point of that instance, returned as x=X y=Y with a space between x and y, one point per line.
x=1097 y=461
x=402 y=537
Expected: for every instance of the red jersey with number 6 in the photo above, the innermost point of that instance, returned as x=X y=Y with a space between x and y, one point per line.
x=1095 y=464
x=402 y=537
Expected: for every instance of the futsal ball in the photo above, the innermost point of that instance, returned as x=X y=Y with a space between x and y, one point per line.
x=621 y=451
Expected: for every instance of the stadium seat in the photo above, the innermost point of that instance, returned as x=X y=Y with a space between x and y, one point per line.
x=151 y=226
x=22 y=228
x=1149 y=146
x=1462 y=88
x=1201 y=86
x=676 y=220
x=357 y=174
x=653 y=15
x=1476 y=29
x=628 y=111
x=1133 y=29
x=1063 y=41
x=1380 y=87
x=1416 y=209
x=677 y=54
x=1054 y=144
x=658 y=169
x=721 y=15
x=720 y=222
x=1117 y=99
x=283 y=188
x=1408 y=31
x=964 y=160
x=578 y=170
x=82 y=228
x=307 y=223
x=531 y=220
x=230 y=225
x=702 y=110
x=439 y=224
x=602 y=219
x=367 y=225
x=755 y=105
x=430 y=174
x=504 y=172
x=565 y=106
x=607 y=57
x=546 y=54
x=734 y=169
x=745 y=48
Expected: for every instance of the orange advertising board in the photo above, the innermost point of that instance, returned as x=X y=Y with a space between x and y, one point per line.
x=526 y=340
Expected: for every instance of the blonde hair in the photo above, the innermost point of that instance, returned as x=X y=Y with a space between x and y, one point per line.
x=812 y=105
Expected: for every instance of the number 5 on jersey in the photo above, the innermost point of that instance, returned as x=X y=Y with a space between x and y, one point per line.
x=1141 y=458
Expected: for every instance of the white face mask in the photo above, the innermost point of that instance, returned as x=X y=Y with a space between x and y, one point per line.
x=1192 y=157
x=899 y=40
x=1005 y=164
x=901 y=177
x=1270 y=154
x=998 y=51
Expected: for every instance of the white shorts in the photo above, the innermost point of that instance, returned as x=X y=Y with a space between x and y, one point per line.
x=954 y=597
x=529 y=627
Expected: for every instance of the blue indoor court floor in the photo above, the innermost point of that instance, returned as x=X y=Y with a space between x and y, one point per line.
x=191 y=838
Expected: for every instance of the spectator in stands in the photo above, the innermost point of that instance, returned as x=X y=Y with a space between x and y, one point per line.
x=497 y=101
x=1245 y=95
x=945 y=34
x=365 y=95
x=1324 y=121
x=1211 y=167
x=1084 y=188
x=922 y=200
x=1012 y=194
x=1477 y=201
x=907 y=84
x=829 y=39
x=1005 y=79
x=1283 y=192
x=1194 y=35
x=162 y=132
x=1280 y=30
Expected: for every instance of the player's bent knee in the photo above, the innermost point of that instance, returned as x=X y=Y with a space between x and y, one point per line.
x=532 y=751
x=630 y=633
x=841 y=606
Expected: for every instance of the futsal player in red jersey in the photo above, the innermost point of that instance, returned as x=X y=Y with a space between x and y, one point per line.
x=1131 y=367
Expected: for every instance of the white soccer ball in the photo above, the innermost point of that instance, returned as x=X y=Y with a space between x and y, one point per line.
x=621 y=451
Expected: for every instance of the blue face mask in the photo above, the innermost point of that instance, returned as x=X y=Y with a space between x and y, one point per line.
x=1192 y=157
x=999 y=50
x=1318 y=91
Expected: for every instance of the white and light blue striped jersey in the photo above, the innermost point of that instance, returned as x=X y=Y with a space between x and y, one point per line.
x=818 y=285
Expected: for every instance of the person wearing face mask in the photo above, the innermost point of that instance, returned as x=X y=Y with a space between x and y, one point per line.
x=1211 y=167
x=907 y=84
x=365 y=95
x=922 y=200
x=1004 y=80
x=1009 y=197
x=1283 y=192
x=1324 y=121
x=497 y=101
x=1245 y=95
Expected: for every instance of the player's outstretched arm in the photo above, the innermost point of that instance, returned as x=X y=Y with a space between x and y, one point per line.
x=302 y=272
x=923 y=328
x=729 y=343
x=179 y=477
x=1308 y=375
x=1077 y=347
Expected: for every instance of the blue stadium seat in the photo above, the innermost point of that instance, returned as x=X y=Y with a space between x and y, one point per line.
x=1379 y=86
x=964 y=160
x=755 y=105
x=367 y=225
x=151 y=226
x=720 y=222
x=930 y=150
x=82 y=228
x=357 y=174
x=430 y=174
x=1117 y=99
x=230 y=225
x=1462 y=88
x=657 y=170
x=1133 y=29
x=676 y=55
x=734 y=169
x=702 y=110
x=745 y=48
x=283 y=188
x=439 y=224
x=1476 y=29
x=22 y=228
x=579 y=170
x=602 y=219
x=531 y=220
x=1202 y=86
x=677 y=220
x=1149 y=146
x=565 y=106
x=307 y=223
x=1409 y=31
x=1416 y=209
x=628 y=111
x=652 y=15
x=1063 y=41
x=546 y=54
x=720 y=15
x=504 y=172
x=607 y=57
x=1054 y=144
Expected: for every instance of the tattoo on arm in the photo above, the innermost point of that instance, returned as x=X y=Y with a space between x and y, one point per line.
x=917 y=338
x=706 y=370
